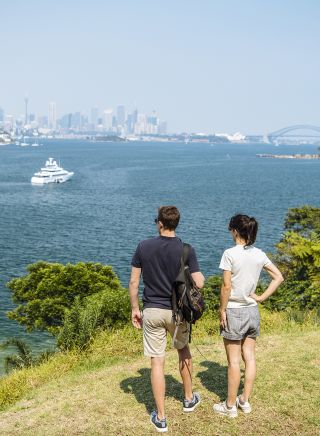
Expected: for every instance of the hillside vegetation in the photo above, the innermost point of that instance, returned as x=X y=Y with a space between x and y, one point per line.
x=96 y=382
x=106 y=389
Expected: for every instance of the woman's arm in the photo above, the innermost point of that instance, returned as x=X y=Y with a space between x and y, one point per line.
x=276 y=281
x=224 y=297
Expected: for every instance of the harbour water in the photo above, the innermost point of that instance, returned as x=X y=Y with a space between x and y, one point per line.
x=110 y=204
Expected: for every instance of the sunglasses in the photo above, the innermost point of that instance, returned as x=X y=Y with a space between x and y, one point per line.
x=156 y=220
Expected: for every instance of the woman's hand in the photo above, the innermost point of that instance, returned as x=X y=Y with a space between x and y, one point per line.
x=257 y=298
x=223 y=319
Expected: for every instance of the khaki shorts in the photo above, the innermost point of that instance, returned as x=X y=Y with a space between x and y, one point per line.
x=156 y=324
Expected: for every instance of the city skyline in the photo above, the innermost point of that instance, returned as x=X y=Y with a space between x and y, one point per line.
x=212 y=66
x=119 y=121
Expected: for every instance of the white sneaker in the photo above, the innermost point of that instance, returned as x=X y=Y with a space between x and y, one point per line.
x=222 y=409
x=245 y=407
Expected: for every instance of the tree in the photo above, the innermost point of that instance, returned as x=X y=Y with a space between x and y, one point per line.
x=22 y=359
x=298 y=258
x=211 y=293
x=49 y=290
x=105 y=309
x=304 y=220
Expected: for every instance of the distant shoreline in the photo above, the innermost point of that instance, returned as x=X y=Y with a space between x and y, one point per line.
x=289 y=156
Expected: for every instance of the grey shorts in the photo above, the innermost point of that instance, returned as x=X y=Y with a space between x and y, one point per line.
x=242 y=322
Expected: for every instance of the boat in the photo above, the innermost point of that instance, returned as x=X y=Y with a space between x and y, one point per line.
x=51 y=173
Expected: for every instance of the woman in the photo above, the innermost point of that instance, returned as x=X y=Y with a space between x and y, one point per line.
x=239 y=315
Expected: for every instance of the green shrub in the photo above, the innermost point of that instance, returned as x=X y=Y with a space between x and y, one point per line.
x=49 y=289
x=211 y=293
x=106 y=309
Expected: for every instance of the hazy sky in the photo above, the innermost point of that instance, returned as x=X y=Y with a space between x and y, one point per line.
x=203 y=65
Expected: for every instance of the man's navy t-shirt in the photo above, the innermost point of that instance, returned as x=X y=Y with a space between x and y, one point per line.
x=159 y=258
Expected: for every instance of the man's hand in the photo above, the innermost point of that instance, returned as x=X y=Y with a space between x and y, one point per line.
x=223 y=319
x=136 y=318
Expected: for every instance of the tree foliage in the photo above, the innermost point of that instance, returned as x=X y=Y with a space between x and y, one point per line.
x=23 y=357
x=106 y=309
x=211 y=293
x=298 y=258
x=49 y=289
x=304 y=220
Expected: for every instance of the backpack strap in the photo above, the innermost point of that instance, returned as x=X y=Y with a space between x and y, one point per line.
x=176 y=317
x=185 y=253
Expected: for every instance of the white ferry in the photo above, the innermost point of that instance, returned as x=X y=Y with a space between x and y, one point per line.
x=51 y=173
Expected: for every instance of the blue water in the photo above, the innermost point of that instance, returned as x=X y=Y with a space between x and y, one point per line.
x=109 y=205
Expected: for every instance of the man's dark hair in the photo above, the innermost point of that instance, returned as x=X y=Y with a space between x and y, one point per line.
x=169 y=216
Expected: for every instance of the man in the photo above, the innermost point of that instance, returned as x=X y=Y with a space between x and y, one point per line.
x=159 y=261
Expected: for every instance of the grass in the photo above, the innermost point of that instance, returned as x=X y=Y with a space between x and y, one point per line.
x=107 y=389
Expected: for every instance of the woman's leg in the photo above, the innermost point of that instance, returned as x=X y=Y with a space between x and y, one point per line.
x=248 y=348
x=233 y=350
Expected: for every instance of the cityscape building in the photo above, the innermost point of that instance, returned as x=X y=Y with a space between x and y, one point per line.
x=26 y=101
x=1 y=116
x=94 y=116
x=52 y=117
x=108 y=119
x=121 y=115
x=119 y=122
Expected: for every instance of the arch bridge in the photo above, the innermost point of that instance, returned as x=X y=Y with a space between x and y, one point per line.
x=281 y=132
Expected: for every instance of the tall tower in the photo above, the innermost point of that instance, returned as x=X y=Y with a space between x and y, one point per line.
x=121 y=115
x=94 y=116
x=52 y=118
x=26 y=101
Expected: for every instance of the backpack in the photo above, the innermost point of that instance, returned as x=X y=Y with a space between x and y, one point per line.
x=187 y=301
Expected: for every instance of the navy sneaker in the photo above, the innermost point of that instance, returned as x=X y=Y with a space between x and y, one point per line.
x=190 y=405
x=160 y=424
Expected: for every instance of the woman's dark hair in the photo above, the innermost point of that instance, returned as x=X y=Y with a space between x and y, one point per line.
x=246 y=227
x=169 y=216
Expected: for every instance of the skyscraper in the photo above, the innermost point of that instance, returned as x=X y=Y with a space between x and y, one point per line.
x=121 y=115
x=107 y=119
x=52 y=117
x=1 y=115
x=26 y=101
x=94 y=116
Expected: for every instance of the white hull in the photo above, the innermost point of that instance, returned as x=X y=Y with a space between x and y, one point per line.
x=52 y=179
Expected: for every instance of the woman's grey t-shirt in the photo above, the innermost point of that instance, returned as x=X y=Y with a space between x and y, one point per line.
x=245 y=264
x=159 y=258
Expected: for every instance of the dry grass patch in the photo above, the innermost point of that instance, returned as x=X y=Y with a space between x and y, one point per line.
x=117 y=399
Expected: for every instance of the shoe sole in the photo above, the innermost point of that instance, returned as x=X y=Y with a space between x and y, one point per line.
x=225 y=414
x=191 y=409
x=159 y=430
x=240 y=407
x=245 y=411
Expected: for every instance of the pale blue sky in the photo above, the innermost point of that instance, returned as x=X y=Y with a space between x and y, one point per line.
x=228 y=65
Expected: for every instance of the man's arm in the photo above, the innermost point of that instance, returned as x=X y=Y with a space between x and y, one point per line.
x=224 y=297
x=198 y=278
x=134 y=297
x=196 y=275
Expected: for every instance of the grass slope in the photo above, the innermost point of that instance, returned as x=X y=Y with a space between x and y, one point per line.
x=100 y=395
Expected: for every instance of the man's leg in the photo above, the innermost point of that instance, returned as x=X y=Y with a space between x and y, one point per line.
x=158 y=383
x=185 y=367
x=249 y=358
x=233 y=350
